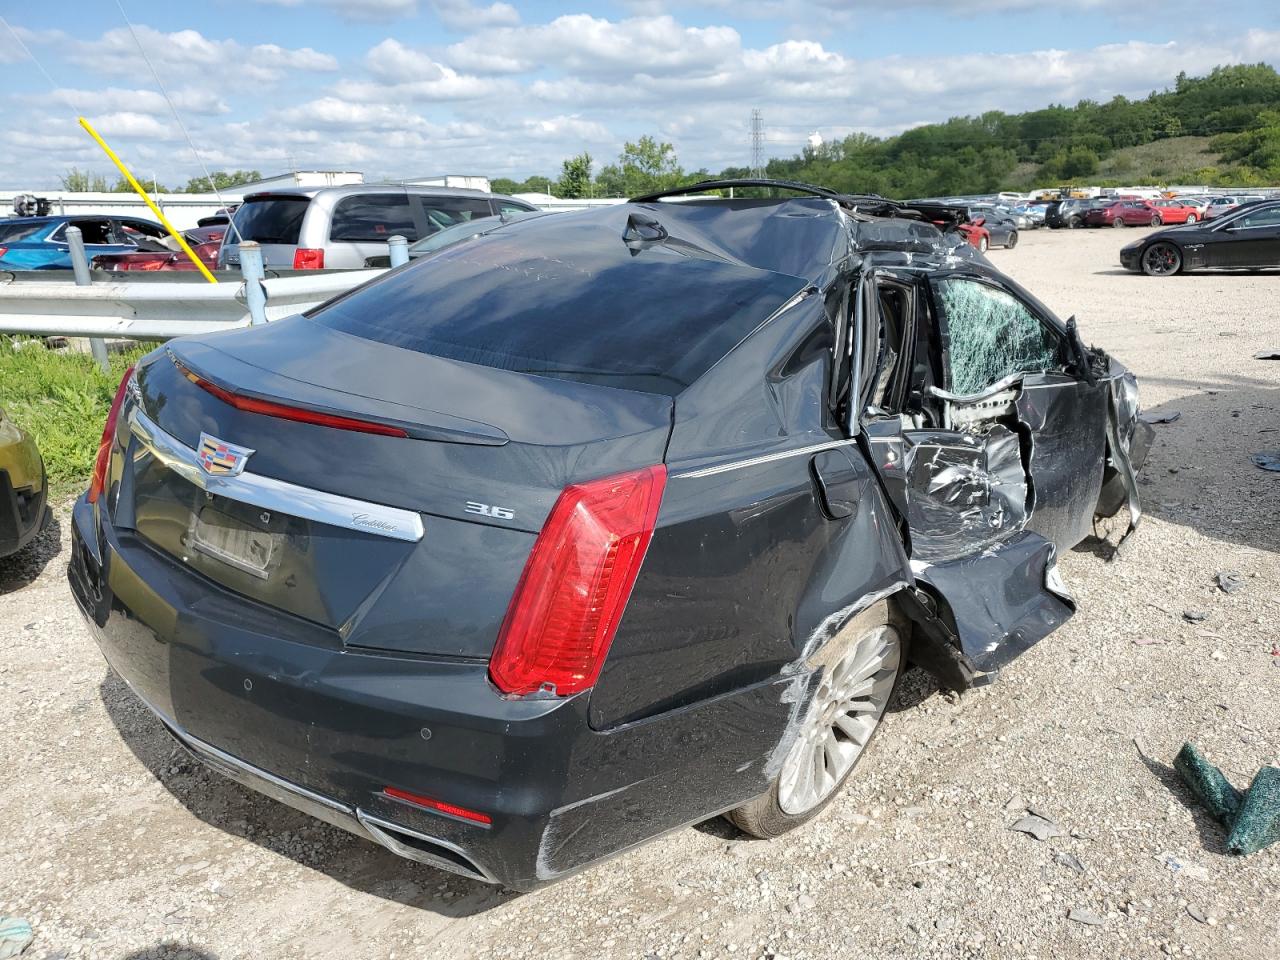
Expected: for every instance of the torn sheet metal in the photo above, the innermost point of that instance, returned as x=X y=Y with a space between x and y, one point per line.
x=996 y=624
x=965 y=491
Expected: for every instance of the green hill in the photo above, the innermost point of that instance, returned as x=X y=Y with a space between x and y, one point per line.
x=1218 y=130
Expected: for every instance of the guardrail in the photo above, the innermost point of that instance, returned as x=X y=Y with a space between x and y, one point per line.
x=159 y=311
x=154 y=310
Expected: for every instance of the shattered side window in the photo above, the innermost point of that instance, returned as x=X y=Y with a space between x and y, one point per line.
x=992 y=335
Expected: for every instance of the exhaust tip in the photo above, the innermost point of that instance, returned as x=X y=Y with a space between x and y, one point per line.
x=413 y=845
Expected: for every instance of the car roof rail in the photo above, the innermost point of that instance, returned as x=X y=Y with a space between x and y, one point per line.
x=844 y=199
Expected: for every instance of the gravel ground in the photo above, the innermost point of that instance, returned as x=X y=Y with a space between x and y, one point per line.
x=115 y=845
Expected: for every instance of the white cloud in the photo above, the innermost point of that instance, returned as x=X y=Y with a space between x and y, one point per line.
x=175 y=54
x=392 y=60
x=465 y=15
x=582 y=44
x=198 y=100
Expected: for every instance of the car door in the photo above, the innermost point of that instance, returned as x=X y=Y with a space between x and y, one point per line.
x=987 y=441
x=1252 y=240
x=97 y=235
x=1007 y=438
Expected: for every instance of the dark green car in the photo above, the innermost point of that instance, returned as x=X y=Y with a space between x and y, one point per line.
x=23 y=488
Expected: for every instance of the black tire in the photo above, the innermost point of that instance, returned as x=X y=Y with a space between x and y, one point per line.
x=1192 y=218
x=1157 y=221
x=1161 y=259
x=763 y=816
x=1119 y=222
x=1012 y=241
x=1075 y=223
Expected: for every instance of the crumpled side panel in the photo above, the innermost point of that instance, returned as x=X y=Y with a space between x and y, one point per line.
x=1025 y=600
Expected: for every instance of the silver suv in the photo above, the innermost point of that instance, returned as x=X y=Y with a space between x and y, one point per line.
x=327 y=227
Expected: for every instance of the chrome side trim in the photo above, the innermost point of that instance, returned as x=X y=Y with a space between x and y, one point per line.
x=277 y=496
x=764 y=458
x=384 y=832
x=202 y=749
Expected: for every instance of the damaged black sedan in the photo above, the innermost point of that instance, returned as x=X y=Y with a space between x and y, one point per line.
x=598 y=526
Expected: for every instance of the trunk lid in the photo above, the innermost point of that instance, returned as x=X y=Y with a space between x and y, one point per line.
x=487 y=453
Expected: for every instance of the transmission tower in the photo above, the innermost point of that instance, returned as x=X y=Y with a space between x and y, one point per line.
x=757 y=144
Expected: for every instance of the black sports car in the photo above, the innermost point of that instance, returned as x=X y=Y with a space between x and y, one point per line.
x=1247 y=237
x=597 y=526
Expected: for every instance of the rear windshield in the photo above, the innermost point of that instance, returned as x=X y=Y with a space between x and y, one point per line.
x=373 y=216
x=13 y=232
x=275 y=219
x=568 y=302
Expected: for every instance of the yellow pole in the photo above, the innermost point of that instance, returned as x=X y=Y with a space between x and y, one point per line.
x=143 y=194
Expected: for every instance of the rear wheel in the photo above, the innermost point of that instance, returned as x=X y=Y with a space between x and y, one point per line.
x=984 y=244
x=1161 y=260
x=1075 y=223
x=1156 y=221
x=1118 y=222
x=1013 y=240
x=860 y=669
x=1192 y=218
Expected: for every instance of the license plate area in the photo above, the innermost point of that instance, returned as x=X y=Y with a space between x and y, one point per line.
x=249 y=539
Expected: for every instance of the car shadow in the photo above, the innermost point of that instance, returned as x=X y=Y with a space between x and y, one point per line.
x=1199 y=474
x=356 y=863
x=169 y=950
x=23 y=568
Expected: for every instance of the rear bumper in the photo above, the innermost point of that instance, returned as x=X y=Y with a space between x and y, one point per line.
x=273 y=703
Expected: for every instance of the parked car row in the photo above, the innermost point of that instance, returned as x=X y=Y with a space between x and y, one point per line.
x=298 y=229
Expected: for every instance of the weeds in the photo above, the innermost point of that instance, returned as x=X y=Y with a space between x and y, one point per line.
x=61 y=399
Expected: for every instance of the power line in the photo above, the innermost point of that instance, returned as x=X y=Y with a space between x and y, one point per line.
x=174 y=110
x=757 y=144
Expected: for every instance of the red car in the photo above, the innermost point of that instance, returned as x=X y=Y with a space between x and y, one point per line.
x=204 y=242
x=1125 y=213
x=1175 y=212
x=976 y=234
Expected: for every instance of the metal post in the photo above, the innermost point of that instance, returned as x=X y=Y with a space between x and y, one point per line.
x=398 y=247
x=80 y=267
x=255 y=297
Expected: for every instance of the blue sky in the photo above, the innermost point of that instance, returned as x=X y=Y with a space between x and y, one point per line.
x=409 y=87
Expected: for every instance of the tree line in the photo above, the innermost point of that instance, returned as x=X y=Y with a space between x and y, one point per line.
x=1237 y=108
x=76 y=180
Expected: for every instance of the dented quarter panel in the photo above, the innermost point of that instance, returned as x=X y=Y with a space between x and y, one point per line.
x=1004 y=599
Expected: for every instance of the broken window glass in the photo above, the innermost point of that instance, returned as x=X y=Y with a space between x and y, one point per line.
x=992 y=335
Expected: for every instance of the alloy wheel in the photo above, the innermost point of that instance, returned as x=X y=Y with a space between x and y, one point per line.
x=847 y=707
x=1161 y=260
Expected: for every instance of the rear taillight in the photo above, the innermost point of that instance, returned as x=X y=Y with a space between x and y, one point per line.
x=305 y=258
x=99 y=480
x=3 y=251
x=283 y=411
x=576 y=583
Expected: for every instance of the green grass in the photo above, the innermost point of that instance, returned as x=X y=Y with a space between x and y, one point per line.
x=61 y=399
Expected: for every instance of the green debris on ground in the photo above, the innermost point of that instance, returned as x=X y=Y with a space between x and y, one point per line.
x=1252 y=816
